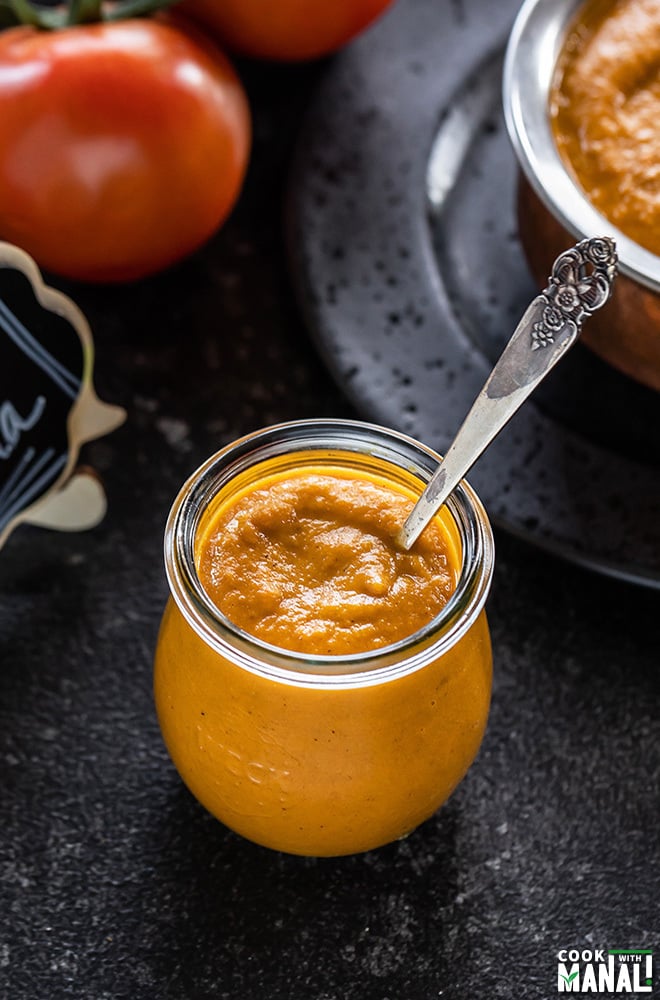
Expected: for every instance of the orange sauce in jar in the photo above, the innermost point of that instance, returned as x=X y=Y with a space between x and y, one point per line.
x=316 y=692
x=605 y=109
x=308 y=561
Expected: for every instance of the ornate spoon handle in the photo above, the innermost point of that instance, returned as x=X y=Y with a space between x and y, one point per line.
x=581 y=282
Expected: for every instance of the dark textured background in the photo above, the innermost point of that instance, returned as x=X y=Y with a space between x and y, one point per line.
x=116 y=885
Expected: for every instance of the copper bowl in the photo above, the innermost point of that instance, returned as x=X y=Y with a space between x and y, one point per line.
x=553 y=211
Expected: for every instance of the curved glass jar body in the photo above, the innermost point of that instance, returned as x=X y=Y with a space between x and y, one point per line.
x=322 y=755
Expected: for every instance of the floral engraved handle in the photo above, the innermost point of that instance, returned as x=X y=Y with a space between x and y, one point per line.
x=581 y=282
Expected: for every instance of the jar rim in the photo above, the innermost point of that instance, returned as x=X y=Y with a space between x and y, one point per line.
x=341 y=436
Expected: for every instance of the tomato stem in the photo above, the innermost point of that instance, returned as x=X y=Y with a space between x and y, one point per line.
x=83 y=11
x=25 y=12
x=75 y=12
x=121 y=10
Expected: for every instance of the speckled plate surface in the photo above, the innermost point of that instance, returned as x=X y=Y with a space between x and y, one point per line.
x=406 y=264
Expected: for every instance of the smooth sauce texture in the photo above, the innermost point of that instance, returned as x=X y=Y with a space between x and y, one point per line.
x=605 y=110
x=308 y=563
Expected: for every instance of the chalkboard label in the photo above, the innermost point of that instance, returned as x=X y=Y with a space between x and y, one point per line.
x=48 y=406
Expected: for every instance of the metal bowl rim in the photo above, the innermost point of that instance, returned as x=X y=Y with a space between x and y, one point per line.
x=531 y=53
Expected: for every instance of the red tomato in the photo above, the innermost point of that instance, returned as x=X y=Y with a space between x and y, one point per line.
x=285 y=29
x=123 y=146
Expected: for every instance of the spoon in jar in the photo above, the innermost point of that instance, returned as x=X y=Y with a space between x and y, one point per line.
x=580 y=283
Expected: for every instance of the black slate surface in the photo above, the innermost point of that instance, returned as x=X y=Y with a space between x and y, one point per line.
x=116 y=885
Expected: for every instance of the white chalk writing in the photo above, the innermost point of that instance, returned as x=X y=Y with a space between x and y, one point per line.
x=12 y=424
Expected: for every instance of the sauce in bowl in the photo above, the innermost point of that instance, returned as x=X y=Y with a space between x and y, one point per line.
x=605 y=109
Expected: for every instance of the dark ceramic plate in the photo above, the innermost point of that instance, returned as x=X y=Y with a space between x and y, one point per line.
x=406 y=264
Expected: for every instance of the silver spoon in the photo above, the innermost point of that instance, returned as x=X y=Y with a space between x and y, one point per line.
x=581 y=282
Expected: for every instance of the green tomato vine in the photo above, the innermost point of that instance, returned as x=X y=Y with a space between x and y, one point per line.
x=16 y=12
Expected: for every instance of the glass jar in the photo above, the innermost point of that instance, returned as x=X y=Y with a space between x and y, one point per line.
x=322 y=755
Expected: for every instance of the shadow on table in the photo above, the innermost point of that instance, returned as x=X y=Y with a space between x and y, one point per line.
x=235 y=919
